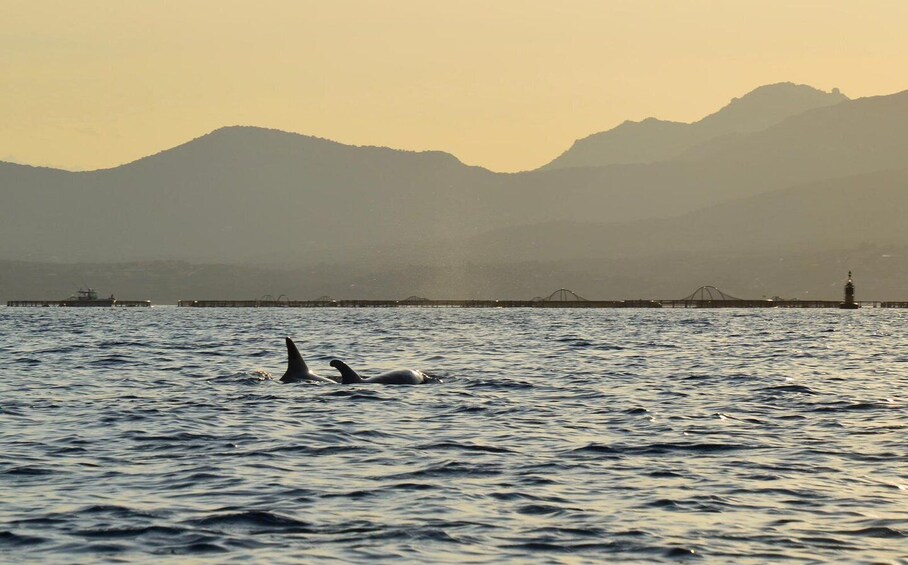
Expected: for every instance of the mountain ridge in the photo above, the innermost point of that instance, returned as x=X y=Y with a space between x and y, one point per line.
x=651 y=140
x=815 y=214
x=225 y=132
x=246 y=195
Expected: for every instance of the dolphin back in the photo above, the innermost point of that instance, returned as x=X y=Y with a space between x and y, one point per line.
x=400 y=377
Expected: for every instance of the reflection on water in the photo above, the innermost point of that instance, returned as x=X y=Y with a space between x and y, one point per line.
x=557 y=435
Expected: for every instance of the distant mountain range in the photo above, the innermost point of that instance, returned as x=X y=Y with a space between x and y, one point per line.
x=845 y=212
x=655 y=140
x=786 y=169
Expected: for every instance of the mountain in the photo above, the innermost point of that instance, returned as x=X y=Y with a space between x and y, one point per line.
x=235 y=194
x=310 y=206
x=858 y=136
x=833 y=214
x=653 y=140
x=245 y=194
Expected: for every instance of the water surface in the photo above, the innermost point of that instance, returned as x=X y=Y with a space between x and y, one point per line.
x=744 y=436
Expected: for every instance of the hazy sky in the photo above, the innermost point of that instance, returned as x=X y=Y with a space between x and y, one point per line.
x=506 y=84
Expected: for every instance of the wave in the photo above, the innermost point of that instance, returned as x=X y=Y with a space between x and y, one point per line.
x=852 y=406
x=877 y=532
x=28 y=470
x=252 y=521
x=662 y=448
x=790 y=388
x=131 y=532
x=457 y=446
x=449 y=469
x=10 y=539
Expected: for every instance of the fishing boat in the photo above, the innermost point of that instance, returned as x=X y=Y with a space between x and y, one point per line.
x=88 y=297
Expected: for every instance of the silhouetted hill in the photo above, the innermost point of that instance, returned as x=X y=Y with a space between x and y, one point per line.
x=834 y=214
x=863 y=135
x=766 y=106
x=249 y=195
x=653 y=140
x=235 y=194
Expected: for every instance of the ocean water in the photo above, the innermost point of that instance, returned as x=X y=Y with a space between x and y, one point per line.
x=558 y=436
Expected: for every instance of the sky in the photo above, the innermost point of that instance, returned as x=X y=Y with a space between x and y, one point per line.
x=504 y=84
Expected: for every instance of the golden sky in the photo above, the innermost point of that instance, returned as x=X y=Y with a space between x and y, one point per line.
x=506 y=84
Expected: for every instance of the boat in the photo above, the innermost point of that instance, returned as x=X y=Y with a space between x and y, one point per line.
x=88 y=297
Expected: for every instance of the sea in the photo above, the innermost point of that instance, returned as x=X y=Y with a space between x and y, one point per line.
x=164 y=435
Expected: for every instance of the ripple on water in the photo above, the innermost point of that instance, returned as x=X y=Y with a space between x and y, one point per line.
x=13 y=540
x=252 y=522
x=29 y=471
x=456 y=446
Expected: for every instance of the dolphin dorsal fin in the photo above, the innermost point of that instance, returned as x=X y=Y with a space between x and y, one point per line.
x=348 y=375
x=295 y=363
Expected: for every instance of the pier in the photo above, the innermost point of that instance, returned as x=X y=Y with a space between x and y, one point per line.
x=529 y=304
x=79 y=303
x=420 y=304
x=85 y=298
x=703 y=297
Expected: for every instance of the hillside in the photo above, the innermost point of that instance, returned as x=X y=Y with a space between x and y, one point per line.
x=265 y=197
x=834 y=214
x=653 y=140
x=234 y=194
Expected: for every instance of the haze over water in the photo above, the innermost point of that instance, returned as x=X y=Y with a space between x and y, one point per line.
x=556 y=436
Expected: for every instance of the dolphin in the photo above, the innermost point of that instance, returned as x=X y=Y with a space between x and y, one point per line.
x=398 y=377
x=297 y=370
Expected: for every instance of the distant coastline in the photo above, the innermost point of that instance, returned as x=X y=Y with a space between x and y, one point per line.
x=776 y=193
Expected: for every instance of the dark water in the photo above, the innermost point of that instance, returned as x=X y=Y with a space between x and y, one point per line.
x=557 y=436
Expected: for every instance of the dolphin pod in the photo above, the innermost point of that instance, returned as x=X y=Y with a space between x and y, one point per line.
x=298 y=371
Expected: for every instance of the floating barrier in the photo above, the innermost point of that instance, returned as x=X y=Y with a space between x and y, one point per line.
x=527 y=304
x=103 y=303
